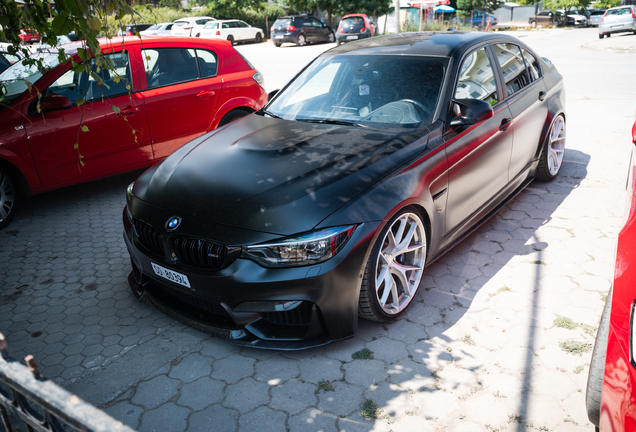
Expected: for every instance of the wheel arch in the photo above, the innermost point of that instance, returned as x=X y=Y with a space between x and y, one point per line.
x=239 y=104
x=17 y=169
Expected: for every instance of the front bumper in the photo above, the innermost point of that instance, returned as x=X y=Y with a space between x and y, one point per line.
x=289 y=308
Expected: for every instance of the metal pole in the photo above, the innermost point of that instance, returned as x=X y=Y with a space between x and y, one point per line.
x=397 y=16
x=421 y=3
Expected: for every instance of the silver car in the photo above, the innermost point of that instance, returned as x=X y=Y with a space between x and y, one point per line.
x=618 y=20
x=596 y=16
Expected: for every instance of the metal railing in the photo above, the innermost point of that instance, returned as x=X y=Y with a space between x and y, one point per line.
x=27 y=400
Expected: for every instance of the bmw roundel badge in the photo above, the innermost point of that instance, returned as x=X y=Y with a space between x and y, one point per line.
x=173 y=223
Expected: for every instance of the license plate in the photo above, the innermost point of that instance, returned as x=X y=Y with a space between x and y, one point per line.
x=172 y=276
x=352 y=37
x=617 y=26
x=278 y=37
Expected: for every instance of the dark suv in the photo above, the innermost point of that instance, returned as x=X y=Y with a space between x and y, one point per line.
x=301 y=30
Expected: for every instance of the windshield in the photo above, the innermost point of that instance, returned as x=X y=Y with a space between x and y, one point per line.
x=383 y=91
x=13 y=80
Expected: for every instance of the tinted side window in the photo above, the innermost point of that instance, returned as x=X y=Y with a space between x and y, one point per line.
x=165 y=66
x=532 y=64
x=207 y=63
x=242 y=24
x=477 y=79
x=512 y=66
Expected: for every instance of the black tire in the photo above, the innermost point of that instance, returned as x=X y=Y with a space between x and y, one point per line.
x=9 y=196
x=233 y=116
x=230 y=38
x=609 y=35
x=277 y=45
x=546 y=170
x=601 y=36
x=597 y=366
x=301 y=40
x=370 y=305
x=258 y=38
x=331 y=38
x=338 y=43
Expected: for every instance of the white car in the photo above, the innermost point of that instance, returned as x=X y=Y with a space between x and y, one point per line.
x=575 y=19
x=6 y=59
x=162 y=29
x=61 y=40
x=189 y=26
x=232 y=30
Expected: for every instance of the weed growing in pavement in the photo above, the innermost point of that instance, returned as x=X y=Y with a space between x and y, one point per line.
x=575 y=347
x=514 y=418
x=588 y=329
x=565 y=322
x=370 y=410
x=468 y=340
x=604 y=296
x=500 y=290
x=363 y=354
x=325 y=386
x=579 y=368
x=569 y=420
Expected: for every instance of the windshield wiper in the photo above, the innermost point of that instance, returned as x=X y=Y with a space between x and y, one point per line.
x=334 y=122
x=271 y=114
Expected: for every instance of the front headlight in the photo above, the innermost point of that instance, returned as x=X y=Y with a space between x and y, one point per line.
x=306 y=249
x=128 y=198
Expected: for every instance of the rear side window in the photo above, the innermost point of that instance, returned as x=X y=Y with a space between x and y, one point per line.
x=166 y=66
x=180 y=24
x=211 y=25
x=532 y=64
x=512 y=66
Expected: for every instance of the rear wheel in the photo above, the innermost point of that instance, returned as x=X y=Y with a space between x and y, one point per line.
x=233 y=116
x=258 y=38
x=231 y=39
x=277 y=45
x=609 y=35
x=553 y=151
x=300 y=40
x=395 y=267
x=8 y=196
x=601 y=35
x=331 y=38
x=597 y=366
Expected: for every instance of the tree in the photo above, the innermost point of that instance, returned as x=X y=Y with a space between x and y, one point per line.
x=487 y=5
x=565 y=4
x=606 y=4
x=231 y=8
x=332 y=7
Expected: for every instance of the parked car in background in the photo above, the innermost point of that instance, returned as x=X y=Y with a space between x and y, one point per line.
x=232 y=30
x=611 y=383
x=619 y=19
x=167 y=90
x=300 y=30
x=353 y=27
x=596 y=16
x=189 y=27
x=29 y=36
x=133 y=29
x=61 y=40
x=547 y=18
x=575 y=19
x=478 y=20
x=161 y=29
x=280 y=229
x=7 y=59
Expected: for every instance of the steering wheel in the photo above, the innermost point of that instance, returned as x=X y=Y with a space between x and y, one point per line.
x=425 y=110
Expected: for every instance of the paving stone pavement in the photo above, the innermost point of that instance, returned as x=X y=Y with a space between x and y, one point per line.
x=486 y=344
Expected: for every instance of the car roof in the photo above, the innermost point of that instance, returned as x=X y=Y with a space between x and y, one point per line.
x=439 y=44
x=150 y=40
x=354 y=15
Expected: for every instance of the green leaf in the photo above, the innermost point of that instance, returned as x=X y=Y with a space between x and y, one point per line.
x=79 y=68
x=116 y=109
x=79 y=102
x=84 y=128
x=75 y=146
x=110 y=8
x=95 y=23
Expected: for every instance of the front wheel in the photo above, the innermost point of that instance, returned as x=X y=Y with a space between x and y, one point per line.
x=300 y=40
x=534 y=23
x=553 y=151
x=394 y=268
x=258 y=38
x=8 y=196
x=233 y=116
x=597 y=366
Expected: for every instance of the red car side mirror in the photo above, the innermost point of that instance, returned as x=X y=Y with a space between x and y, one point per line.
x=634 y=133
x=54 y=102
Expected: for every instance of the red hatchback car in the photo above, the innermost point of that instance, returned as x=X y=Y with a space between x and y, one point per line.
x=611 y=385
x=29 y=36
x=154 y=98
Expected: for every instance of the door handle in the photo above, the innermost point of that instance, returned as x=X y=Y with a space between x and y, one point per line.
x=505 y=124
x=204 y=94
x=128 y=111
x=541 y=96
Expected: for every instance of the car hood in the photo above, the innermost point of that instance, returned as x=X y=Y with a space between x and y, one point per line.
x=274 y=175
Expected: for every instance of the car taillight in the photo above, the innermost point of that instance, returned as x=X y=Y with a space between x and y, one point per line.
x=218 y=33
x=290 y=28
x=633 y=14
x=363 y=29
x=187 y=28
x=341 y=30
x=603 y=19
x=129 y=33
x=272 y=29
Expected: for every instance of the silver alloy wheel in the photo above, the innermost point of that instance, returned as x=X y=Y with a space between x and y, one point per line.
x=7 y=196
x=400 y=263
x=332 y=38
x=556 y=146
x=301 y=40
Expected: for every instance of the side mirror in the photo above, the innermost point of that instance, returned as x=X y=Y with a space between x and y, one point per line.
x=54 y=102
x=271 y=94
x=473 y=111
x=634 y=133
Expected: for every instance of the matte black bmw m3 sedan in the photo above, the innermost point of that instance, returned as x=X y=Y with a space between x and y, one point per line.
x=280 y=229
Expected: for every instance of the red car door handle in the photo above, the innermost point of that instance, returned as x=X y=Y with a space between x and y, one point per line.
x=505 y=124
x=205 y=94
x=541 y=96
x=128 y=111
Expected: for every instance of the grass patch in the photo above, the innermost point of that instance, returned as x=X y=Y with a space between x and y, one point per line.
x=363 y=354
x=575 y=347
x=565 y=322
x=588 y=329
x=468 y=340
x=503 y=289
x=325 y=386
x=370 y=410
x=604 y=296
